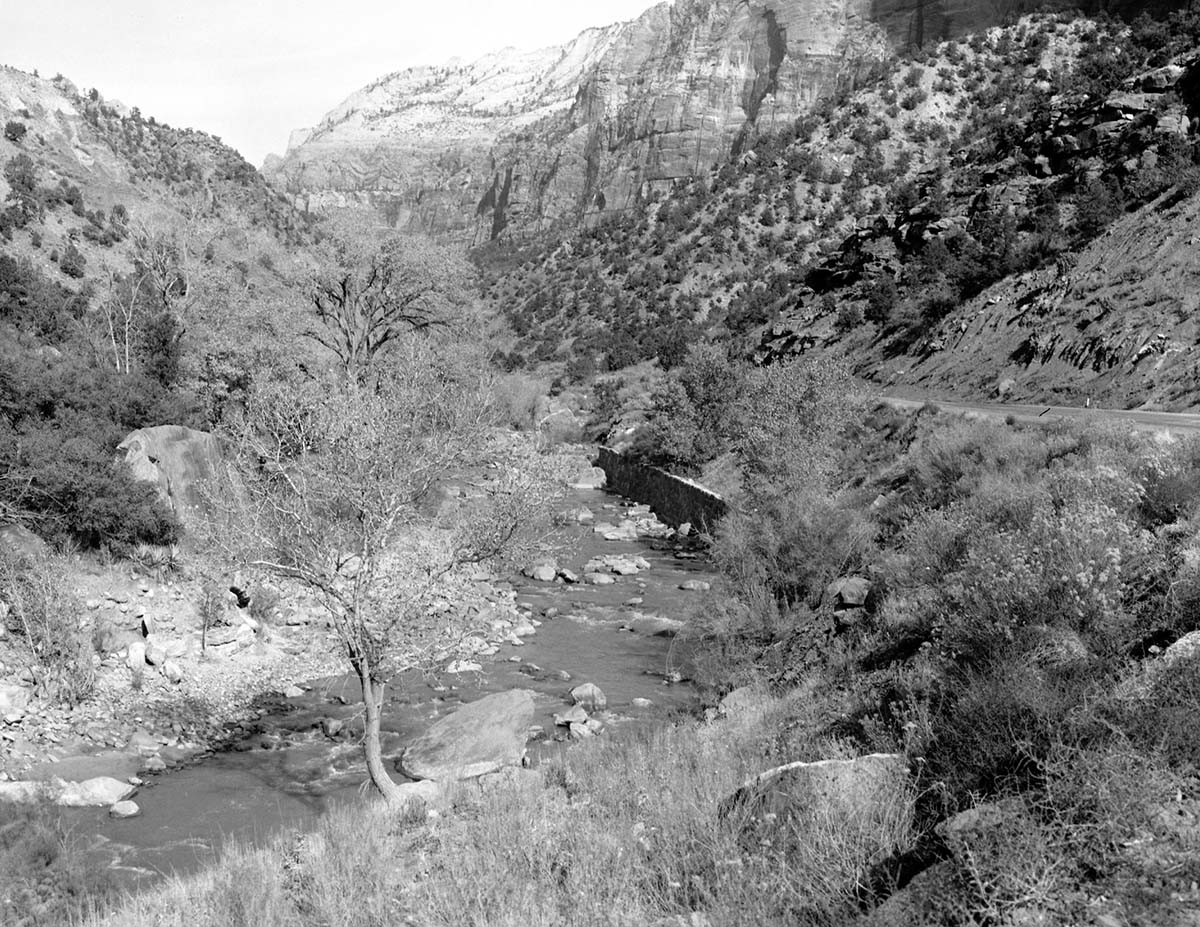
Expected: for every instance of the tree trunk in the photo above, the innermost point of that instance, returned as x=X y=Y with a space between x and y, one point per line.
x=373 y=705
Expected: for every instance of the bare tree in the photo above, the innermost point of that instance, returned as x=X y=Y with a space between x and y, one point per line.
x=337 y=484
x=373 y=294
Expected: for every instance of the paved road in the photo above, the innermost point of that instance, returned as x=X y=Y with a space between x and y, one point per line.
x=1171 y=422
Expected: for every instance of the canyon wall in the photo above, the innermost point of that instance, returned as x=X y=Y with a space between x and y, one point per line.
x=520 y=139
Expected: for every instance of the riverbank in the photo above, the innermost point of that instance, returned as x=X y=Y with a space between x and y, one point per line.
x=623 y=831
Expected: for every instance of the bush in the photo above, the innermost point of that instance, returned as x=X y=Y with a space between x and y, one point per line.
x=46 y=616
x=72 y=263
x=45 y=872
x=14 y=131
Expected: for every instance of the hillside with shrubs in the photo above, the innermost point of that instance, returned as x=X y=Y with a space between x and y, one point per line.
x=146 y=273
x=970 y=215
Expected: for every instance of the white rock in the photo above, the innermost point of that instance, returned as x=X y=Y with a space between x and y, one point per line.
x=98 y=792
x=573 y=715
x=135 y=655
x=590 y=696
x=172 y=672
x=464 y=666
x=124 y=809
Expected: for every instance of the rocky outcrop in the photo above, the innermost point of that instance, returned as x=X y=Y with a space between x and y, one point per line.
x=516 y=138
x=177 y=460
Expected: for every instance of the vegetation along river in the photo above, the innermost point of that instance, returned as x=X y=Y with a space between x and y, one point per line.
x=286 y=770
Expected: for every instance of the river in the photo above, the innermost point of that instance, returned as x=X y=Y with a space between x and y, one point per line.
x=285 y=772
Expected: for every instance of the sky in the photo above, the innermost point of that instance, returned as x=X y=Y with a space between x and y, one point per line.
x=250 y=71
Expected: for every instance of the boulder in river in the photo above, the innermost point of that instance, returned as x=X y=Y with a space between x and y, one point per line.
x=124 y=809
x=94 y=793
x=590 y=696
x=573 y=715
x=478 y=738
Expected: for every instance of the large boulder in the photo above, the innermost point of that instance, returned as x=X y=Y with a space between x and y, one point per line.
x=102 y=791
x=177 y=460
x=13 y=698
x=868 y=791
x=478 y=738
x=20 y=543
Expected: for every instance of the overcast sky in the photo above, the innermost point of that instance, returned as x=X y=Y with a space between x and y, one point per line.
x=250 y=71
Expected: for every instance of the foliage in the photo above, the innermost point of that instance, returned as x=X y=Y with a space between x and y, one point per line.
x=45 y=874
x=46 y=615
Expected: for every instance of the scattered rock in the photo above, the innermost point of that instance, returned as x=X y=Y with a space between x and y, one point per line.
x=155 y=653
x=573 y=715
x=580 y=732
x=464 y=666
x=598 y=579
x=654 y=625
x=589 y=696
x=543 y=572
x=695 y=585
x=172 y=673
x=124 y=809
x=135 y=655
x=13 y=699
x=848 y=592
x=641 y=703
x=478 y=738
x=331 y=727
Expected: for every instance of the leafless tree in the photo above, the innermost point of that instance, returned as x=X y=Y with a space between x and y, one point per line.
x=337 y=480
x=373 y=294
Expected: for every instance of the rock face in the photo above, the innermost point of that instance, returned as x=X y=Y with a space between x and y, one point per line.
x=177 y=460
x=594 y=125
x=478 y=738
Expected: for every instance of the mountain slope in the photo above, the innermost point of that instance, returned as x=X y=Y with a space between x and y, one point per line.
x=917 y=226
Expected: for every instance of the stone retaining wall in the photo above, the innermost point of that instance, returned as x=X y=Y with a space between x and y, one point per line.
x=674 y=499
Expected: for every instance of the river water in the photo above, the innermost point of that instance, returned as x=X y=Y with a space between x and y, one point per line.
x=285 y=773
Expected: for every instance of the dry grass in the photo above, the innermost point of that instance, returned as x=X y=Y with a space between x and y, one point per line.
x=620 y=832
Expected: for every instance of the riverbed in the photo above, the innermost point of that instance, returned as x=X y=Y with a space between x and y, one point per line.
x=285 y=770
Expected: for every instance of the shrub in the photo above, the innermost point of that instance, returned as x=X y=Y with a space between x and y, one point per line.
x=849 y=317
x=72 y=262
x=47 y=617
x=14 y=131
x=45 y=871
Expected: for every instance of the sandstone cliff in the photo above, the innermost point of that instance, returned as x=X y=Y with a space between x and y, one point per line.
x=519 y=138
